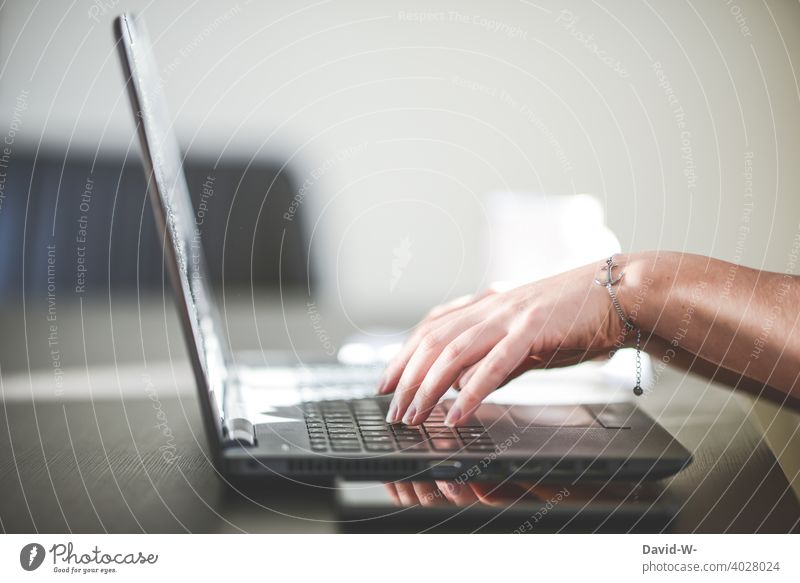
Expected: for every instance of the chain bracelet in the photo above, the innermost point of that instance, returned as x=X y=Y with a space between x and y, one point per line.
x=609 y=282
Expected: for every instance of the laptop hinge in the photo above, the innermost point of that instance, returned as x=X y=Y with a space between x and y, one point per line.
x=239 y=431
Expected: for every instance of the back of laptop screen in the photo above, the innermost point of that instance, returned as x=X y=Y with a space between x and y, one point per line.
x=174 y=209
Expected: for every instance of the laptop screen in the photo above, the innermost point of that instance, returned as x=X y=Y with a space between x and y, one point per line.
x=208 y=346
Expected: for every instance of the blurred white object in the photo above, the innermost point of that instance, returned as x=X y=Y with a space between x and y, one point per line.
x=375 y=346
x=532 y=236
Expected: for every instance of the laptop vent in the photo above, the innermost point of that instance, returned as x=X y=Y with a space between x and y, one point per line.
x=355 y=466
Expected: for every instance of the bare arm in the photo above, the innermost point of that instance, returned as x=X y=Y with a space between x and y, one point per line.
x=704 y=314
x=740 y=319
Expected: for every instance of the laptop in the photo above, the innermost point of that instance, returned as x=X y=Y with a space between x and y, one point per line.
x=319 y=421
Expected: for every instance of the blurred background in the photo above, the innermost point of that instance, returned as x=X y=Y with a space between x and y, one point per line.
x=355 y=162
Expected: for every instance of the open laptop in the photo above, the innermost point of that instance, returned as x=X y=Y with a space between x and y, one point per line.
x=323 y=421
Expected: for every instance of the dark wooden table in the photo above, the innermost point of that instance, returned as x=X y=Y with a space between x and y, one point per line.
x=95 y=466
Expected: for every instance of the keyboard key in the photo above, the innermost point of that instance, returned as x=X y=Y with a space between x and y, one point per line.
x=479 y=437
x=472 y=435
x=405 y=429
x=421 y=446
x=435 y=432
x=343 y=425
x=379 y=447
x=411 y=438
x=433 y=427
x=377 y=438
x=346 y=446
x=479 y=442
x=445 y=444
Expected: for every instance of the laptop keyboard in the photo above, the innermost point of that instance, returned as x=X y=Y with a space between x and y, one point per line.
x=360 y=425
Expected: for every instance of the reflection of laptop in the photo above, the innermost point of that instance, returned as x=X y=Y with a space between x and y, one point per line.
x=319 y=421
x=511 y=506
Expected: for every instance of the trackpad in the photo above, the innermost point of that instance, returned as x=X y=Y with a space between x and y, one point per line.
x=530 y=417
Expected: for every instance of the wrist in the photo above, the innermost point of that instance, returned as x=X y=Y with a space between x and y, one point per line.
x=634 y=279
x=638 y=287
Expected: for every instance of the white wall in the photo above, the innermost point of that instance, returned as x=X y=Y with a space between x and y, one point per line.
x=413 y=122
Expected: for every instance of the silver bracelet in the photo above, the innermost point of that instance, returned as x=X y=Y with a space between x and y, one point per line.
x=609 y=282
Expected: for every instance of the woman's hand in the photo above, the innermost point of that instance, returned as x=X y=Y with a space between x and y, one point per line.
x=457 y=493
x=480 y=344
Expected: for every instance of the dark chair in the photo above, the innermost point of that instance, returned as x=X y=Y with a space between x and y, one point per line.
x=84 y=226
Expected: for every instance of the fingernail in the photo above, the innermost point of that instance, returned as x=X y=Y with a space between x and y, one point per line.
x=453 y=416
x=454 y=488
x=392 y=412
x=410 y=414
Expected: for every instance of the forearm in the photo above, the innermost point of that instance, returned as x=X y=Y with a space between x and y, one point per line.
x=686 y=361
x=739 y=318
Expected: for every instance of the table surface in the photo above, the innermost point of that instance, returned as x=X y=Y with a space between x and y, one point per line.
x=97 y=465
x=86 y=454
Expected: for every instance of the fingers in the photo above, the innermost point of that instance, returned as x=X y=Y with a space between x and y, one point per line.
x=421 y=360
x=494 y=368
x=394 y=370
x=500 y=495
x=391 y=489
x=436 y=317
x=468 y=348
x=564 y=357
x=406 y=494
x=465 y=375
x=458 y=493
x=391 y=376
x=428 y=494
x=462 y=380
x=409 y=494
x=437 y=493
x=450 y=306
x=491 y=494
